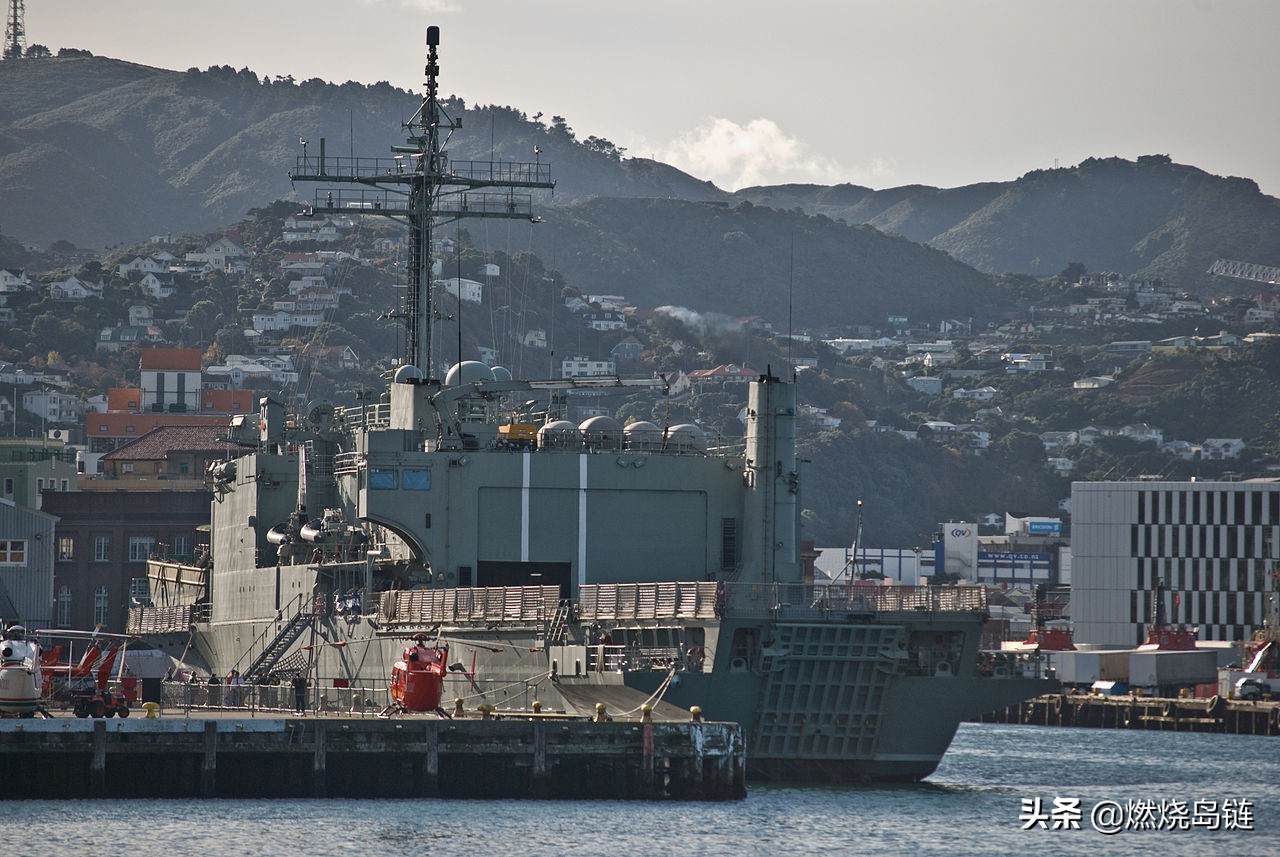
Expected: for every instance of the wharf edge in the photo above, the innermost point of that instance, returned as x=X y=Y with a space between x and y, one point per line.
x=1226 y=716
x=238 y=757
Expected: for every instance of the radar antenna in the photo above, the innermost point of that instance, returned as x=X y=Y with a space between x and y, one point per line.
x=421 y=187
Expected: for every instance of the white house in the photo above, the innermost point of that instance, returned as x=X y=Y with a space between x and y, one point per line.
x=982 y=394
x=462 y=288
x=583 y=367
x=282 y=320
x=75 y=289
x=222 y=253
x=154 y=286
x=1060 y=466
x=141 y=315
x=1143 y=433
x=143 y=265
x=930 y=386
x=13 y=280
x=53 y=405
x=1221 y=448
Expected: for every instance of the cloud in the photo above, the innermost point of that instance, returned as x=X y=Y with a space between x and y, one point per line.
x=734 y=156
x=441 y=6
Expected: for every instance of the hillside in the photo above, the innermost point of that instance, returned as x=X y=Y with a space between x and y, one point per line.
x=99 y=152
x=754 y=261
x=1152 y=218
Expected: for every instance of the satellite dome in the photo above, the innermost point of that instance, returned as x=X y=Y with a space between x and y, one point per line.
x=408 y=374
x=467 y=372
x=559 y=434
x=501 y=373
x=642 y=435
x=601 y=432
x=686 y=437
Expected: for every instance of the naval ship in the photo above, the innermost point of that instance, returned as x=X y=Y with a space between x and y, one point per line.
x=563 y=564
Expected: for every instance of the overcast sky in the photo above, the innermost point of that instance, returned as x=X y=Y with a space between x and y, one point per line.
x=874 y=92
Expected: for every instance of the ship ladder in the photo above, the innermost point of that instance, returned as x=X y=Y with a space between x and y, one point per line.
x=275 y=650
x=556 y=626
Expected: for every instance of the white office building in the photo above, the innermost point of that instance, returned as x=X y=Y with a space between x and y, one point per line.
x=1214 y=545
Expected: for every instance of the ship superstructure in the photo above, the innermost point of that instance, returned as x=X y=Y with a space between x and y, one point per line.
x=567 y=564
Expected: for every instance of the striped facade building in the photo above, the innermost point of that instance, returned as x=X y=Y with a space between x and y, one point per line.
x=1213 y=544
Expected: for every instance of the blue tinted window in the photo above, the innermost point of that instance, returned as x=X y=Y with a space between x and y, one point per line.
x=382 y=479
x=416 y=480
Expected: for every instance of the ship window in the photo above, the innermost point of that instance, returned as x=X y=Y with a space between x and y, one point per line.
x=416 y=480
x=382 y=479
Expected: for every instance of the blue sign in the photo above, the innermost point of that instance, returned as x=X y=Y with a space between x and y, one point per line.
x=1044 y=528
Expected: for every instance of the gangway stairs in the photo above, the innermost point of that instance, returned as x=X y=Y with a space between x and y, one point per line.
x=289 y=633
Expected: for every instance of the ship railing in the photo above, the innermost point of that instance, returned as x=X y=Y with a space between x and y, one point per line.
x=617 y=601
x=517 y=604
x=332 y=698
x=375 y=415
x=165 y=620
x=809 y=600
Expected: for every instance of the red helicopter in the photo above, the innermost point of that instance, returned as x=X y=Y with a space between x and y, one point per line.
x=417 y=679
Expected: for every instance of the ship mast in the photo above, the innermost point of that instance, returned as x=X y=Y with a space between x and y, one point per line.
x=421 y=187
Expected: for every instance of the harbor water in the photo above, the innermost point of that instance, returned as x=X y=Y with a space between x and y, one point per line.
x=1000 y=790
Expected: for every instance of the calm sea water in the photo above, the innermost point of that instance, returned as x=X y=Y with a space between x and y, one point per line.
x=973 y=805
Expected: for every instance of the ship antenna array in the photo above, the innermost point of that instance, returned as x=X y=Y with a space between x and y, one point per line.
x=421 y=187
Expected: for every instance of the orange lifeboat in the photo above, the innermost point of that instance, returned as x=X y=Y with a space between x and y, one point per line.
x=417 y=679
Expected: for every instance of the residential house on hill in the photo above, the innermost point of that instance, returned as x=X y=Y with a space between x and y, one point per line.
x=13 y=280
x=53 y=405
x=1221 y=448
x=462 y=288
x=142 y=265
x=628 y=349
x=222 y=254
x=726 y=373
x=75 y=289
x=584 y=367
x=157 y=288
x=332 y=358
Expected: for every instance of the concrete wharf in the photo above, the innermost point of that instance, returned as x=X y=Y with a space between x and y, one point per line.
x=1127 y=711
x=228 y=754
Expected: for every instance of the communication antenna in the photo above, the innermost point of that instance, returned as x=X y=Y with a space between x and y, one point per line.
x=15 y=31
x=424 y=189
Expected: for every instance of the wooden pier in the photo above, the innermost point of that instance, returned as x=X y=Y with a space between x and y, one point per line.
x=236 y=756
x=1229 y=716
